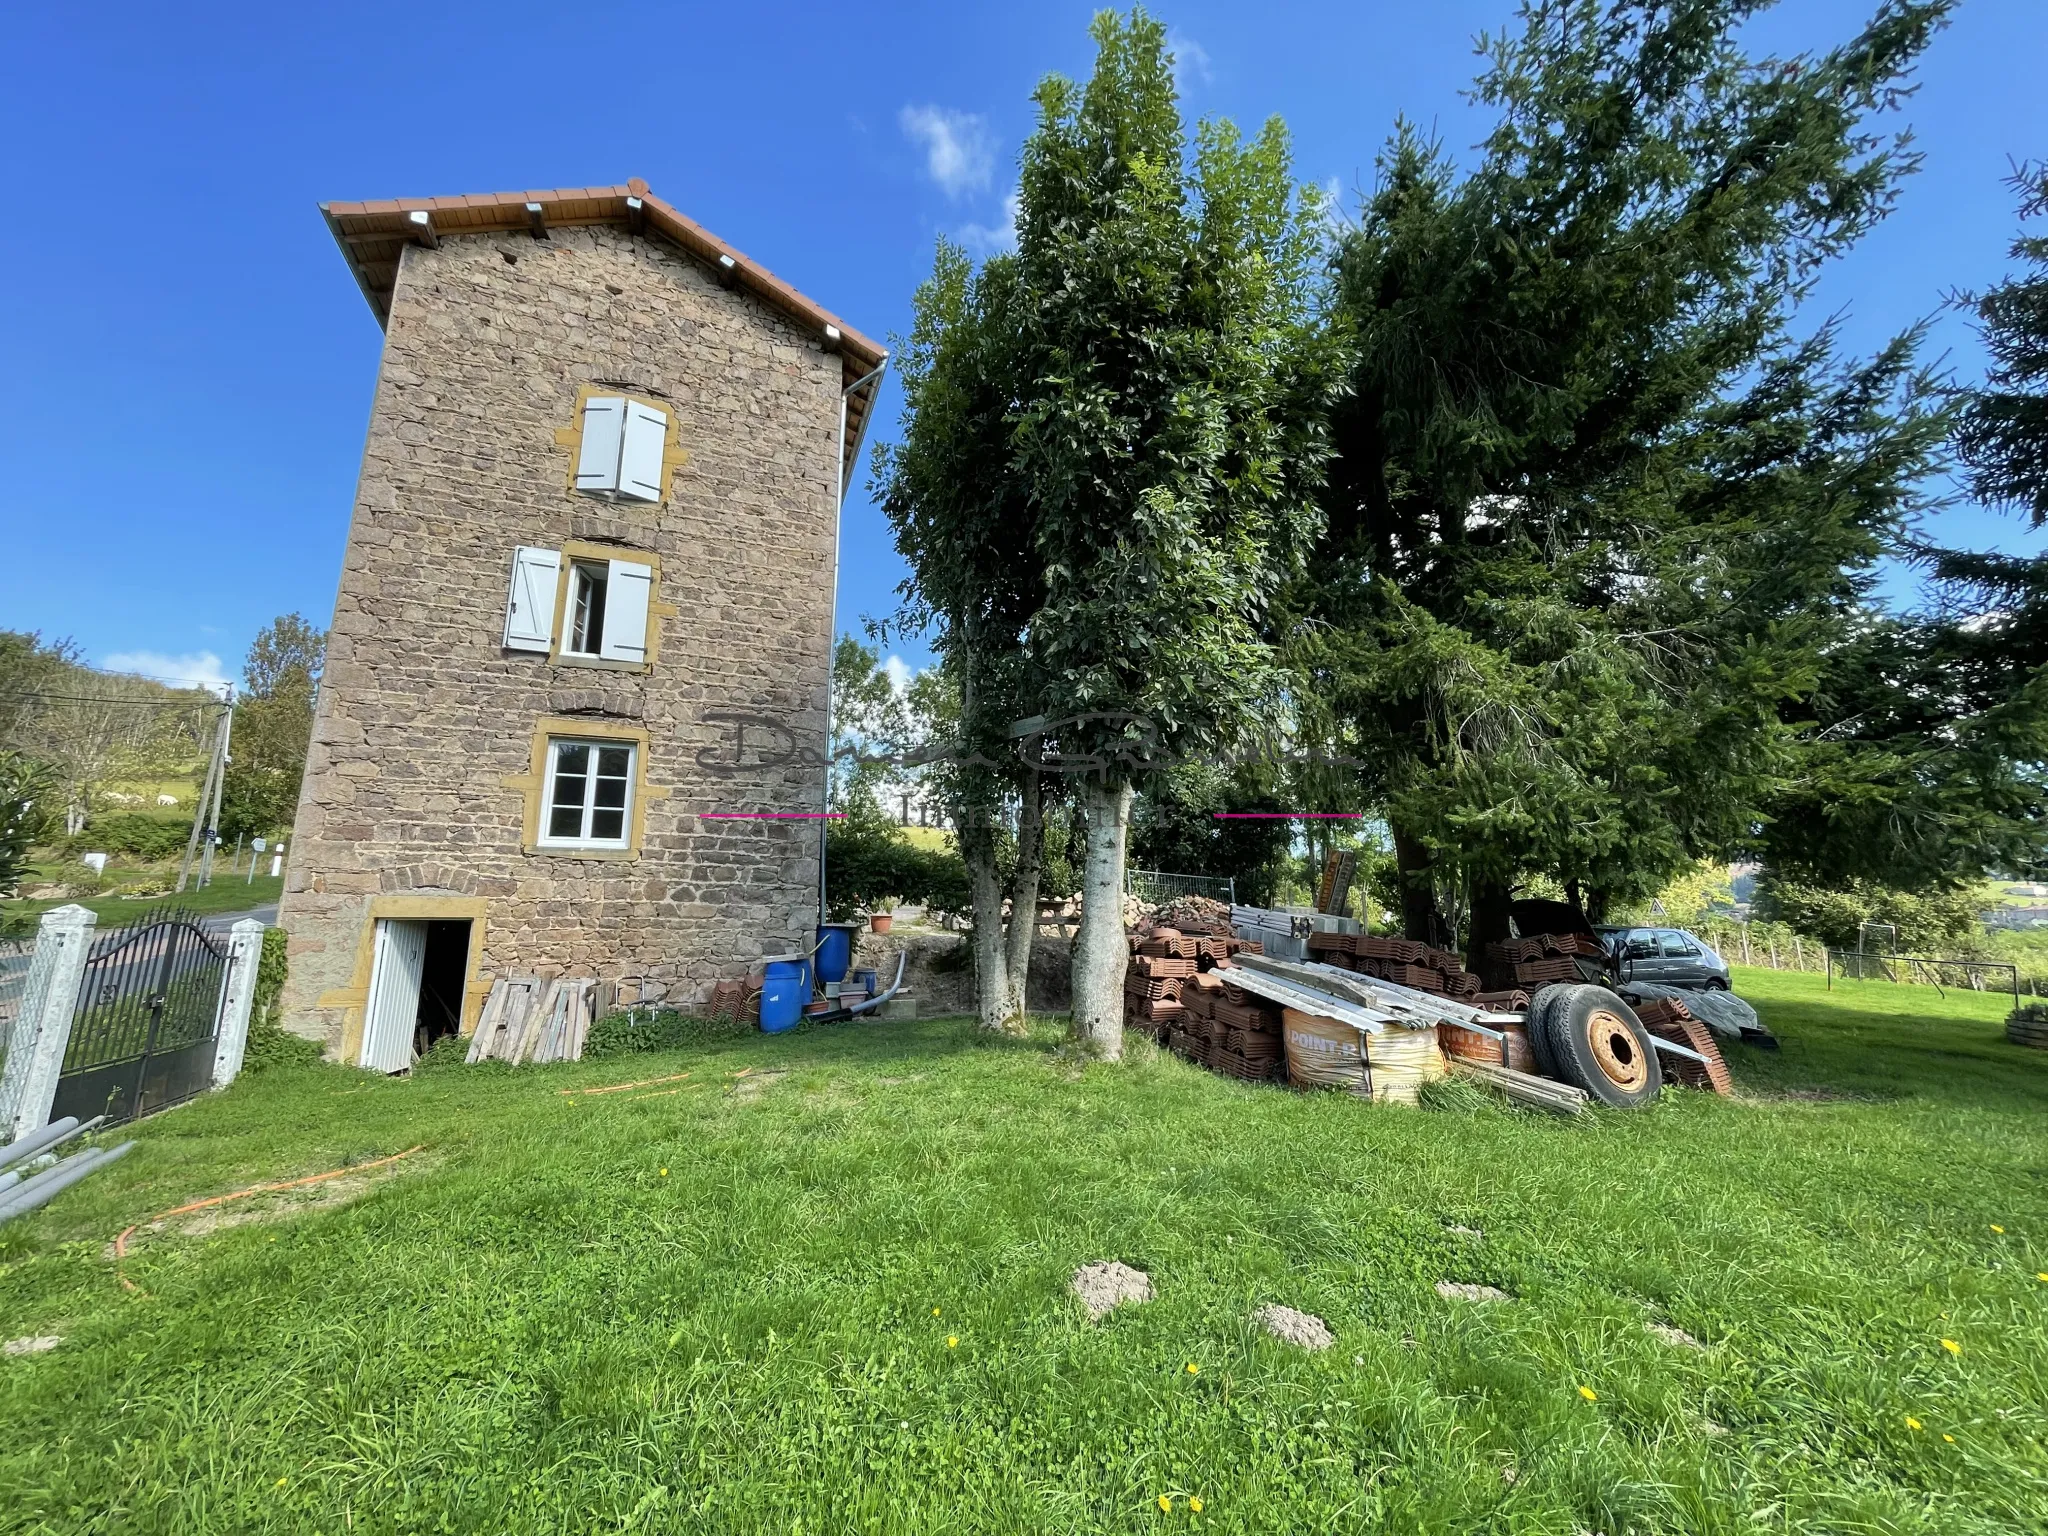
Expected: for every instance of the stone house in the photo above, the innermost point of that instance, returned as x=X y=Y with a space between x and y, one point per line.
x=573 y=718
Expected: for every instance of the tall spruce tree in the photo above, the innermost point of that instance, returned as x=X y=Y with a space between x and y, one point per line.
x=1598 y=509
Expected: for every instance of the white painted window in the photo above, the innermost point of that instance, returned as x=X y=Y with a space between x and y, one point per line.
x=584 y=619
x=606 y=615
x=530 y=608
x=589 y=794
x=620 y=453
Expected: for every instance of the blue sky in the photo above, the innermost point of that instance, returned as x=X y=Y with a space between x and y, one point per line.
x=189 y=368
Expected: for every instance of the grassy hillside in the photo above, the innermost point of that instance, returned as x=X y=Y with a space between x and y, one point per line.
x=820 y=1285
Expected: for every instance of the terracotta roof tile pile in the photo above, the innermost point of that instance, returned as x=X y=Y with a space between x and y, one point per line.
x=1669 y=1019
x=1177 y=990
x=1405 y=962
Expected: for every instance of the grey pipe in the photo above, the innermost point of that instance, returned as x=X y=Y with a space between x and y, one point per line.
x=67 y=1173
x=27 y=1188
x=37 y=1142
x=894 y=987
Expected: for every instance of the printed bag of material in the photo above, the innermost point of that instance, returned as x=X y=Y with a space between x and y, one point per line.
x=1390 y=1067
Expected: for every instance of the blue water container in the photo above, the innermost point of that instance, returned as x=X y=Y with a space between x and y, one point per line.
x=835 y=950
x=784 y=991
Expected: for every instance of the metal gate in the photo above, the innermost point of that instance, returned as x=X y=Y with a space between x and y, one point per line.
x=142 y=1036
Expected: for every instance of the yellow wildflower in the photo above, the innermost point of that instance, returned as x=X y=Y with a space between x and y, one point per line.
x=1911 y=1422
x=1166 y=1503
x=282 y=1481
x=1194 y=1369
x=952 y=1341
x=1589 y=1394
x=1998 y=1229
x=1951 y=1439
x=935 y=1311
x=1952 y=1346
x=2041 y=1277
x=664 y=1173
x=1195 y=1504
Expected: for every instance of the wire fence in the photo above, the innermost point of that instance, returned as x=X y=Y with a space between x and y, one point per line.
x=15 y=955
x=1157 y=886
x=1765 y=946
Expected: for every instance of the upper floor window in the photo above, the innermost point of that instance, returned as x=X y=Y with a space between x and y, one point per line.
x=603 y=612
x=619 y=455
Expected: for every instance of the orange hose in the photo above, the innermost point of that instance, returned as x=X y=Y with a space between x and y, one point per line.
x=622 y=1087
x=265 y=1189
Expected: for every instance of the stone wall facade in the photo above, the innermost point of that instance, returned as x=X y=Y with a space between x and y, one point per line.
x=426 y=724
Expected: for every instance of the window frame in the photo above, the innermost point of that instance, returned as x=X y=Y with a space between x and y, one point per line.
x=575 y=552
x=673 y=457
x=546 y=837
x=535 y=785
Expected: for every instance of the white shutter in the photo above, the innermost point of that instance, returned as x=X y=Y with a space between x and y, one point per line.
x=640 y=464
x=398 y=961
x=530 y=610
x=628 y=589
x=597 y=460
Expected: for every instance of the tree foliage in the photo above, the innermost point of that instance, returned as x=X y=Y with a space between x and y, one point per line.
x=1598 y=508
x=273 y=728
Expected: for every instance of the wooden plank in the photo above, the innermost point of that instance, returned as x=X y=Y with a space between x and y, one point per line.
x=487 y=1022
x=1539 y=1092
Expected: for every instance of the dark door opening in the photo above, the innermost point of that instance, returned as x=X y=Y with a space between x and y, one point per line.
x=442 y=976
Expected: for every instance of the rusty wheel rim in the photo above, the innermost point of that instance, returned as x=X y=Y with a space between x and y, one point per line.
x=1616 y=1049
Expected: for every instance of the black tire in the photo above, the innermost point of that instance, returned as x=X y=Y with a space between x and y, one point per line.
x=1537 y=1023
x=1601 y=1046
x=1716 y=984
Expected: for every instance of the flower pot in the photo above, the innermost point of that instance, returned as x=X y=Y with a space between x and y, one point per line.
x=879 y=922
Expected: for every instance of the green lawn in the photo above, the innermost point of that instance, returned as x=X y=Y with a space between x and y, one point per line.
x=834 y=1300
x=227 y=894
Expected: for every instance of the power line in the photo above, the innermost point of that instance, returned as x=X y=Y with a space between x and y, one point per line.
x=83 y=698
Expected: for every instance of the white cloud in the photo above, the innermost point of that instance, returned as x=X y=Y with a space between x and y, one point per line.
x=958 y=152
x=1190 y=62
x=192 y=669
x=900 y=673
x=988 y=239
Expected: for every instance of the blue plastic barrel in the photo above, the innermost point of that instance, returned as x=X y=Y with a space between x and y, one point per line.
x=784 y=991
x=835 y=950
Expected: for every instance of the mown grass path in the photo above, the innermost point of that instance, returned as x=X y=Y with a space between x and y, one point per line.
x=835 y=1300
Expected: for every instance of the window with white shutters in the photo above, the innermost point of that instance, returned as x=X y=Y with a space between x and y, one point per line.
x=604 y=606
x=619 y=454
x=530 y=607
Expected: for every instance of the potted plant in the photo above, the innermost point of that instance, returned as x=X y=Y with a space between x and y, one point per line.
x=880 y=922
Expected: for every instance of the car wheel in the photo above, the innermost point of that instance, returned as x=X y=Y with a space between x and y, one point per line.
x=1715 y=984
x=1537 y=1023
x=1601 y=1046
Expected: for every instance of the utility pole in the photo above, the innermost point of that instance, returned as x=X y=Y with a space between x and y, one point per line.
x=213 y=766
x=203 y=821
x=220 y=786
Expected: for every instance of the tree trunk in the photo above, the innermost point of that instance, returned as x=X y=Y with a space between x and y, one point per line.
x=991 y=980
x=1100 y=955
x=1023 y=930
x=1420 y=918
x=1596 y=904
x=1489 y=923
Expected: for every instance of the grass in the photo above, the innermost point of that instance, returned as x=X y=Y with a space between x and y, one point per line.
x=234 y=893
x=833 y=1299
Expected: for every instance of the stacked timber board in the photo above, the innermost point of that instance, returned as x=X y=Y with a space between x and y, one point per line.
x=526 y=1019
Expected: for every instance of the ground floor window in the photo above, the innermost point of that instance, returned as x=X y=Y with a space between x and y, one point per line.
x=588 y=794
